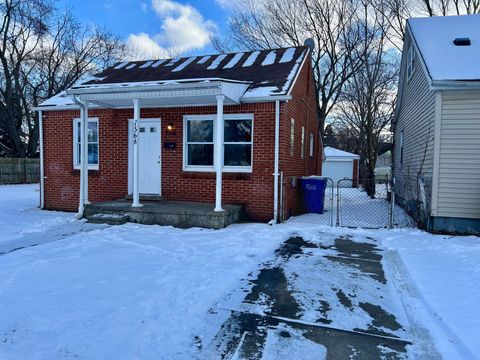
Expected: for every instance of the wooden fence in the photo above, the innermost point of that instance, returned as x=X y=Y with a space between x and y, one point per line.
x=19 y=170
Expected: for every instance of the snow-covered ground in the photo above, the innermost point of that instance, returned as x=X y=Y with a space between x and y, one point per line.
x=134 y=291
x=20 y=214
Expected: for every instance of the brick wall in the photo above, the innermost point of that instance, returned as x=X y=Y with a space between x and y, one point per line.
x=303 y=94
x=110 y=182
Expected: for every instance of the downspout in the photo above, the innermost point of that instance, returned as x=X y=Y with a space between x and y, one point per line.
x=276 y=163
x=82 y=161
x=42 y=174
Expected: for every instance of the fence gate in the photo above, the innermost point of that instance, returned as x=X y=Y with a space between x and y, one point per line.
x=350 y=203
x=367 y=205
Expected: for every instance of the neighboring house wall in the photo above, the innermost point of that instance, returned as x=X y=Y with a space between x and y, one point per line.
x=302 y=109
x=416 y=119
x=459 y=159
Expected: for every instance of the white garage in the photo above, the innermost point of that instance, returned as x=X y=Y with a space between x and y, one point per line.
x=339 y=164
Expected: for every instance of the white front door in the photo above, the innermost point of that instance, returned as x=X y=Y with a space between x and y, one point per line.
x=150 y=164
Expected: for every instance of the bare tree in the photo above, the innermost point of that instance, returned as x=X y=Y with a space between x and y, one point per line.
x=396 y=12
x=367 y=101
x=42 y=52
x=332 y=24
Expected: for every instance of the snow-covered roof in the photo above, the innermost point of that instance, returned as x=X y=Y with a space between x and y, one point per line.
x=443 y=59
x=265 y=74
x=331 y=152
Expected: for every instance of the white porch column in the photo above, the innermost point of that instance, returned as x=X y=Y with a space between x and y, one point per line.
x=84 y=148
x=81 y=197
x=136 y=154
x=218 y=152
x=42 y=171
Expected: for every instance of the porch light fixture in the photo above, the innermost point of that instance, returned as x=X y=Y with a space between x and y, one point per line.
x=170 y=128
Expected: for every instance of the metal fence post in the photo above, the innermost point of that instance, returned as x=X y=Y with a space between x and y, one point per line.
x=338 y=203
x=331 y=201
x=282 y=215
x=392 y=205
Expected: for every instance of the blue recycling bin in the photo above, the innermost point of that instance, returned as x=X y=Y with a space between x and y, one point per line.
x=313 y=190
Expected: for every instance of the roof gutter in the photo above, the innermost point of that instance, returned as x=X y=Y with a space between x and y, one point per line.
x=266 y=98
x=455 y=85
x=118 y=88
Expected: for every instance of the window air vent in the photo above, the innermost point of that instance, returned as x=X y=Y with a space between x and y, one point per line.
x=462 y=41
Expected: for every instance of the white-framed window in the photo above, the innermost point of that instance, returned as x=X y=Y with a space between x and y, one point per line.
x=199 y=132
x=302 y=154
x=199 y=135
x=312 y=144
x=410 y=61
x=92 y=143
x=292 y=136
x=237 y=142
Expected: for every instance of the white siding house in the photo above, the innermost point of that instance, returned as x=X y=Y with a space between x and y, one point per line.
x=437 y=123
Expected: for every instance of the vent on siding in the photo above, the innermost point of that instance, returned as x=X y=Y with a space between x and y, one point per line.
x=465 y=41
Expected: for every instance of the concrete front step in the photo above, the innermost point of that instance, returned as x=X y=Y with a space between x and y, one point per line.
x=173 y=213
x=110 y=219
x=145 y=197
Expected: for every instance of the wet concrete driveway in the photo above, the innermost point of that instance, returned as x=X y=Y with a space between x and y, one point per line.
x=327 y=297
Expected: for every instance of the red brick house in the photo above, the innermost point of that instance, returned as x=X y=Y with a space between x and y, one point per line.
x=154 y=128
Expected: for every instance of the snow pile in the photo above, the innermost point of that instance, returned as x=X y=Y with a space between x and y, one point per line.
x=158 y=63
x=251 y=59
x=270 y=58
x=173 y=61
x=204 y=59
x=234 y=61
x=261 y=91
x=121 y=65
x=147 y=64
x=215 y=63
x=293 y=73
x=287 y=55
x=184 y=64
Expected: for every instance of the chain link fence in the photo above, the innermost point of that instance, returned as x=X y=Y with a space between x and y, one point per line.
x=366 y=206
x=297 y=208
x=412 y=194
x=361 y=203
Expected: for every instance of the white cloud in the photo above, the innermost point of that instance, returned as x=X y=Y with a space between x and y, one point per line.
x=183 y=29
x=142 y=47
x=230 y=4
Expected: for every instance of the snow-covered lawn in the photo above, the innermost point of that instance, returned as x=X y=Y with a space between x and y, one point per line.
x=20 y=214
x=134 y=291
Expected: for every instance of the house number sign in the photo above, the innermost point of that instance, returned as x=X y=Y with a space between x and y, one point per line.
x=135 y=131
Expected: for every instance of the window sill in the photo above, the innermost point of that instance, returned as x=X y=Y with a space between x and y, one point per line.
x=211 y=175
x=225 y=170
x=90 y=168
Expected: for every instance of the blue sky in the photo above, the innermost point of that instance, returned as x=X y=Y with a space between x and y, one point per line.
x=157 y=28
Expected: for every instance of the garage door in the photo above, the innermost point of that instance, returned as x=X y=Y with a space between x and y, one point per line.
x=337 y=170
